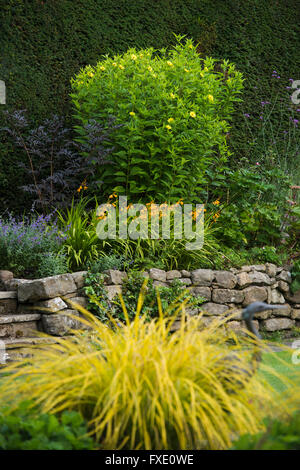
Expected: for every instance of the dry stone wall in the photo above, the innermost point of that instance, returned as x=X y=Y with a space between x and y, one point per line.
x=30 y=306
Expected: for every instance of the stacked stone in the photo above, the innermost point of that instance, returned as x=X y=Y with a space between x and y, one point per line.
x=29 y=306
x=227 y=291
x=12 y=323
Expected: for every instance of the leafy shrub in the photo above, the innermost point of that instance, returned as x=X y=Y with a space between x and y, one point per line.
x=52 y=264
x=26 y=429
x=174 y=107
x=86 y=33
x=295 y=273
x=280 y=435
x=113 y=261
x=25 y=243
x=100 y=304
x=81 y=244
x=231 y=257
x=141 y=388
x=251 y=209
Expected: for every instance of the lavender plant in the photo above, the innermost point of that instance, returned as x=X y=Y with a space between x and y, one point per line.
x=58 y=165
x=26 y=243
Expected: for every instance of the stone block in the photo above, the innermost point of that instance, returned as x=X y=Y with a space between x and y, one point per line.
x=8 y=295
x=258 y=267
x=185 y=273
x=245 y=269
x=79 y=278
x=61 y=324
x=286 y=312
x=4 y=277
x=276 y=324
x=8 y=306
x=46 y=288
x=173 y=274
x=19 y=329
x=50 y=306
x=214 y=309
x=81 y=301
x=239 y=326
x=283 y=287
x=202 y=277
x=225 y=279
x=186 y=281
x=113 y=276
x=14 y=283
x=158 y=274
x=276 y=297
x=243 y=279
x=293 y=298
x=271 y=269
x=295 y=314
x=254 y=294
x=222 y=296
x=160 y=284
x=284 y=276
x=259 y=278
x=5 y=319
x=112 y=291
x=204 y=292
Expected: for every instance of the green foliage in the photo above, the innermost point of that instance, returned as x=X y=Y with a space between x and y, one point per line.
x=167 y=253
x=81 y=243
x=113 y=261
x=273 y=129
x=295 y=273
x=273 y=336
x=83 y=248
x=100 y=304
x=24 y=243
x=26 y=429
x=43 y=44
x=140 y=387
x=232 y=257
x=252 y=208
x=292 y=224
x=255 y=35
x=52 y=264
x=280 y=435
x=174 y=107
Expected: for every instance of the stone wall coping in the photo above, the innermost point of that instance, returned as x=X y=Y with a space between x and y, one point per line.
x=19 y=318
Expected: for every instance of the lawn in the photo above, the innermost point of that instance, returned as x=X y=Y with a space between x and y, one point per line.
x=281 y=363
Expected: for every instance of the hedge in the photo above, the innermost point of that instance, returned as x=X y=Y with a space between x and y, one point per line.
x=44 y=43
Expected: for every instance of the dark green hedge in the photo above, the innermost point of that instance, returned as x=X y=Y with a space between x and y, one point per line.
x=44 y=43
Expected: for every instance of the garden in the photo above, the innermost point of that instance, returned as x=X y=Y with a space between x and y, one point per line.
x=120 y=137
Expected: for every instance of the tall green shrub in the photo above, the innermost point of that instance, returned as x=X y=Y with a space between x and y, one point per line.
x=175 y=109
x=43 y=44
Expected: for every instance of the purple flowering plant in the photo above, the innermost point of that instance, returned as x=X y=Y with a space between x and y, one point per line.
x=26 y=242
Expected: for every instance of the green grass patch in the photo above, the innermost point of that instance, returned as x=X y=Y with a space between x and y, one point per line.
x=279 y=363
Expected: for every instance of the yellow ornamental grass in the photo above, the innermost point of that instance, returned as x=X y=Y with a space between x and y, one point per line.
x=141 y=387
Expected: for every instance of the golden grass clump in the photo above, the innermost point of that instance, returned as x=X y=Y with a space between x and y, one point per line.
x=141 y=387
